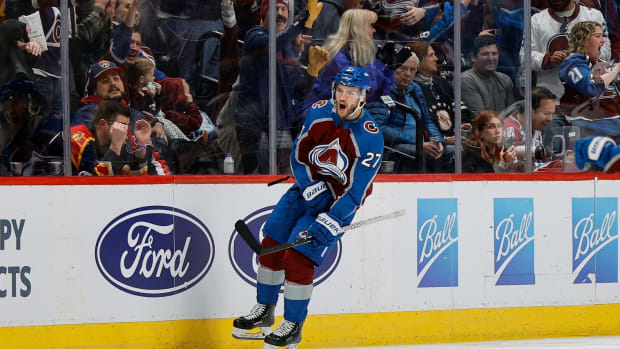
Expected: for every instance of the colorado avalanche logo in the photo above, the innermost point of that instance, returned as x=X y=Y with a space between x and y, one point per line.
x=56 y=31
x=330 y=159
x=319 y=104
x=371 y=127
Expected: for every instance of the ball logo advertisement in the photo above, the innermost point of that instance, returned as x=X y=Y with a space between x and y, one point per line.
x=437 y=243
x=154 y=251
x=595 y=240
x=513 y=224
x=245 y=261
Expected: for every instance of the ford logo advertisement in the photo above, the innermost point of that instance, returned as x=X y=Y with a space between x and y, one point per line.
x=154 y=251
x=245 y=261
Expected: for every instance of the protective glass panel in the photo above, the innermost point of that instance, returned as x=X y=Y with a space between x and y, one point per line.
x=492 y=84
x=31 y=115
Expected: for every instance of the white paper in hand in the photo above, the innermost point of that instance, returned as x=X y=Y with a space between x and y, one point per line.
x=35 y=29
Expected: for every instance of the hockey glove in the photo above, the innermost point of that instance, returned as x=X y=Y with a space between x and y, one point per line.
x=325 y=229
x=594 y=150
x=314 y=9
x=318 y=197
x=317 y=60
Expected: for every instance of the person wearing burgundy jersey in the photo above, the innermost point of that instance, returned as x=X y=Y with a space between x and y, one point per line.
x=334 y=159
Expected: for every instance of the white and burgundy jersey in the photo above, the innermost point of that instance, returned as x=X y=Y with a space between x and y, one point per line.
x=550 y=34
x=49 y=62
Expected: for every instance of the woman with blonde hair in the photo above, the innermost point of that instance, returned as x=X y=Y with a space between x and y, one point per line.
x=353 y=45
x=483 y=150
x=590 y=97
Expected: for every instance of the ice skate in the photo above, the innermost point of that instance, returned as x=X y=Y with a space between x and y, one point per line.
x=287 y=334
x=255 y=325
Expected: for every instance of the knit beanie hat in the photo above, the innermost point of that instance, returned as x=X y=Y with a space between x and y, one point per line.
x=264 y=6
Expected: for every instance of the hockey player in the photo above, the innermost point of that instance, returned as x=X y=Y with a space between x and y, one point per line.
x=334 y=160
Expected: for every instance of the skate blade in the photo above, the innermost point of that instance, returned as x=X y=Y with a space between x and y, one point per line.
x=290 y=346
x=258 y=333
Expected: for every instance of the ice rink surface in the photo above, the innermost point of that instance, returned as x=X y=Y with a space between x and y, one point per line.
x=564 y=343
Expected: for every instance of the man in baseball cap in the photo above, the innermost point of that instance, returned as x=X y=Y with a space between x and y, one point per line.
x=109 y=73
x=105 y=84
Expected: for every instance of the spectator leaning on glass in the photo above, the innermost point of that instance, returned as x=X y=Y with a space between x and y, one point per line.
x=483 y=150
x=101 y=150
x=399 y=127
x=483 y=87
x=591 y=93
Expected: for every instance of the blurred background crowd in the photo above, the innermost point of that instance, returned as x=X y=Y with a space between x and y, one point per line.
x=182 y=86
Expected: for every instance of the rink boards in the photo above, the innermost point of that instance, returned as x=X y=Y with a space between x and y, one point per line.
x=156 y=263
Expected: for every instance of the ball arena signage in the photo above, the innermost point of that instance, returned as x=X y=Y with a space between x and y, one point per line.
x=154 y=251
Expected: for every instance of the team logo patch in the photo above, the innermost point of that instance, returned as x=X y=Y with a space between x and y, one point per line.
x=370 y=127
x=154 y=251
x=245 y=262
x=78 y=137
x=319 y=104
x=331 y=160
x=440 y=110
x=595 y=240
x=437 y=243
x=56 y=31
x=514 y=241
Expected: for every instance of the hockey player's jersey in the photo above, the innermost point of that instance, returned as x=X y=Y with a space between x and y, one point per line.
x=586 y=101
x=548 y=36
x=346 y=155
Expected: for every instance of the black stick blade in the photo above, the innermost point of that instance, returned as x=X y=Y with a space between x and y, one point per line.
x=247 y=236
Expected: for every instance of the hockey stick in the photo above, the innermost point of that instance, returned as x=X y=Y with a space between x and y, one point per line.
x=249 y=239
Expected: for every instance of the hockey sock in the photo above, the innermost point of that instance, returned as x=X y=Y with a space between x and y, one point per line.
x=270 y=274
x=298 y=285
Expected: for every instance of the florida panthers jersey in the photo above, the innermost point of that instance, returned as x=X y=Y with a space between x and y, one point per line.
x=346 y=155
x=550 y=34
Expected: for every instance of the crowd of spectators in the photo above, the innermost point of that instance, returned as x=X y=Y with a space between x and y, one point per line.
x=187 y=81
